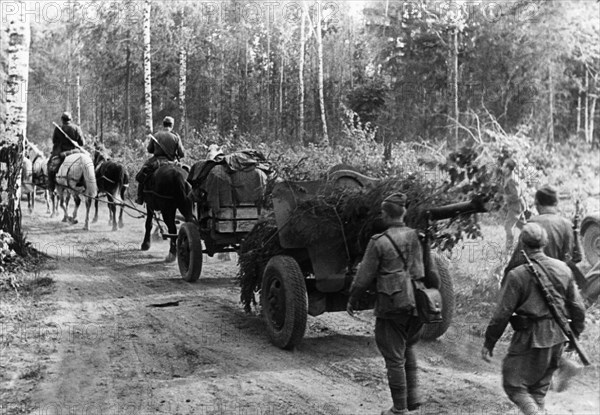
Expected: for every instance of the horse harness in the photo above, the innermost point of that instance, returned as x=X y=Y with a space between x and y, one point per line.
x=103 y=176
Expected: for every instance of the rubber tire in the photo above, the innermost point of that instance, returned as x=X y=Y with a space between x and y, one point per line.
x=436 y=330
x=284 y=271
x=591 y=242
x=190 y=264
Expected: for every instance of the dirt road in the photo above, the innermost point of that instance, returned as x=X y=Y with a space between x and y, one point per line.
x=124 y=334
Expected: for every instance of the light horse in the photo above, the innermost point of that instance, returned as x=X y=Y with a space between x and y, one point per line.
x=167 y=190
x=35 y=174
x=112 y=180
x=76 y=176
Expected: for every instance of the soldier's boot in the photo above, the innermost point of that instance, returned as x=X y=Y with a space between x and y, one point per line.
x=567 y=370
x=413 y=398
x=394 y=411
x=140 y=194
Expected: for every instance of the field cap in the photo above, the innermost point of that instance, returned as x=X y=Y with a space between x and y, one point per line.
x=547 y=195
x=168 y=121
x=398 y=199
x=66 y=116
x=533 y=235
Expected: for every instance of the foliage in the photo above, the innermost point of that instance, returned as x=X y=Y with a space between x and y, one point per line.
x=6 y=251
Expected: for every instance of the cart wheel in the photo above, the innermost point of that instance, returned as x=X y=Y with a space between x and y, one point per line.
x=435 y=330
x=284 y=301
x=189 y=252
x=591 y=243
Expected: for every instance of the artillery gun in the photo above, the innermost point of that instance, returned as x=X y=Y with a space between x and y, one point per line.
x=314 y=276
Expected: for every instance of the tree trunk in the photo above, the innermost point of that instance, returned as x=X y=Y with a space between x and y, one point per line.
x=578 y=114
x=183 y=76
x=592 y=110
x=455 y=86
x=11 y=144
x=325 y=140
x=551 y=122
x=587 y=102
x=281 y=79
x=147 y=69
x=301 y=77
x=78 y=89
x=128 y=87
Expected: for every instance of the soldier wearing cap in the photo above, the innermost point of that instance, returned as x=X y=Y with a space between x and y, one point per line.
x=67 y=139
x=397 y=333
x=559 y=229
x=538 y=342
x=165 y=145
x=560 y=245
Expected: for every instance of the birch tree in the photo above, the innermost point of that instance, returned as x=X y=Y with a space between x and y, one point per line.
x=183 y=70
x=11 y=142
x=147 y=68
x=319 y=38
x=301 y=76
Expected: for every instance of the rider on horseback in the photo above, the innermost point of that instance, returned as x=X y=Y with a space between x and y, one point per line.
x=165 y=146
x=66 y=140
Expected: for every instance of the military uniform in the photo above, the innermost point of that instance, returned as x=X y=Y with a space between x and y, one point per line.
x=560 y=237
x=63 y=146
x=515 y=206
x=535 y=350
x=396 y=335
x=165 y=146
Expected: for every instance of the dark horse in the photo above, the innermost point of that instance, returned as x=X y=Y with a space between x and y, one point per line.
x=112 y=180
x=167 y=190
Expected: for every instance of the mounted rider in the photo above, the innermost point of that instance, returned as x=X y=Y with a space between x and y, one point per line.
x=165 y=146
x=66 y=140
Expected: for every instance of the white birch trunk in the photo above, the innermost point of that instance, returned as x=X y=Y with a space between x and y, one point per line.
x=586 y=122
x=592 y=110
x=19 y=38
x=147 y=68
x=301 y=77
x=78 y=89
x=321 y=92
x=183 y=75
x=578 y=114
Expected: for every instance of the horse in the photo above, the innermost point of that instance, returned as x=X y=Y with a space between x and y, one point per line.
x=167 y=191
x=76 y=176
x=37 y=176
x=112 y=180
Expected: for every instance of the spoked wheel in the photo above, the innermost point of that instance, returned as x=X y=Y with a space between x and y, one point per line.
x=435 y=330
x=189 y=252
x=284 y=301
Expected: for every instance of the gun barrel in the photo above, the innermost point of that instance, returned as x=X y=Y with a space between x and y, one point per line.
x=449 y=211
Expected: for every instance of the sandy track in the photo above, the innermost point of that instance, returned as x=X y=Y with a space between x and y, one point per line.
x=115 y=353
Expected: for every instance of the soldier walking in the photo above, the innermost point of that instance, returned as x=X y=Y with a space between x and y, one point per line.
x=560 y=245
x=514 y=202
x=390 y=257
x=538 y=342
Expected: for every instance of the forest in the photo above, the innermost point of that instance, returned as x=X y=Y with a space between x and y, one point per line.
x=300 y=72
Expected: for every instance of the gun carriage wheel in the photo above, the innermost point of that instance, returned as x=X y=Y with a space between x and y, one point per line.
x=590 y=233
x=284 y=301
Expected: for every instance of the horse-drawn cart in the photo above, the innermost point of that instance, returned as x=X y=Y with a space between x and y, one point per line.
x=227 y=193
